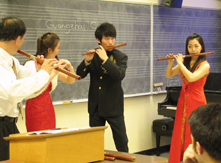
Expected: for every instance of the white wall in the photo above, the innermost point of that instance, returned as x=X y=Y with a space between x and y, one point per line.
x=139 y=111
x=136 y=1
x=209 y=4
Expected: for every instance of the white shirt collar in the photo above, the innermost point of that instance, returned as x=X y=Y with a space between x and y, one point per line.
x=6 y=56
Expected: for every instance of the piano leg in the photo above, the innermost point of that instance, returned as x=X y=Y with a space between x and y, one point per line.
x=162 y=127
x=157 y=144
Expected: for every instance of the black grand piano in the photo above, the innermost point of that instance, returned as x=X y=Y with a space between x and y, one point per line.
x=212 y=91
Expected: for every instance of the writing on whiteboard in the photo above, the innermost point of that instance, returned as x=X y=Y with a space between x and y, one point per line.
x=69 y=26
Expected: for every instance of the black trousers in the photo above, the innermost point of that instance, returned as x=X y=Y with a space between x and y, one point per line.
x=118 y=129
x=6 y=128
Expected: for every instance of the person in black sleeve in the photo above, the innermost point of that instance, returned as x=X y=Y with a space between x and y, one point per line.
x=107 y=68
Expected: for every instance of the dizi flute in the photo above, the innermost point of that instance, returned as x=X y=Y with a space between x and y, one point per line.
x=120 y=156
x=190 y=55
x=42 y=61
x=116 y=46
x=109 y=158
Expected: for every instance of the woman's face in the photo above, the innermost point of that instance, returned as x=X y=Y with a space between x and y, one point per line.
x=194 y=46
x=51 y=53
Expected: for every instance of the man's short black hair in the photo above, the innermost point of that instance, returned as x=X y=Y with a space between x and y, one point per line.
x=205 y=126
x=105 y=29
x=11 y=28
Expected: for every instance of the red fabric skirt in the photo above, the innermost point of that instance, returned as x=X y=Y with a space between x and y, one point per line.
x=191 y=96
x=39 y=111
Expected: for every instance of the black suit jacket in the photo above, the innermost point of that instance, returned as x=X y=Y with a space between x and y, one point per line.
x=105 y=92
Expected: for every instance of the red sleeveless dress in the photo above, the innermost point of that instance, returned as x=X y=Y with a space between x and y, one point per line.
x=191 y=96
x=39 y=111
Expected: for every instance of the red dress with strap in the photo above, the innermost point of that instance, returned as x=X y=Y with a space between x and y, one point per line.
x=191 y=96
x=39 y=111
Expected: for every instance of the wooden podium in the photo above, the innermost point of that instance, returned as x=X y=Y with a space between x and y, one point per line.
x=80 y=146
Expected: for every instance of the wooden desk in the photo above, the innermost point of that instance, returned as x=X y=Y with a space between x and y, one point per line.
x=9 y=161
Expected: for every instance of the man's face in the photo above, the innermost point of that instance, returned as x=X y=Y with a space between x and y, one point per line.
x=107 y=42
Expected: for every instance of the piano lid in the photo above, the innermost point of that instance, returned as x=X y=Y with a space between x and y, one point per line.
x=212 y=91
x=174 y=93
x=213 y=83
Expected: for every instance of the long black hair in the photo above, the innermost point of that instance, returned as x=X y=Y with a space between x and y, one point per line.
x=200 y=58
x=47 y=40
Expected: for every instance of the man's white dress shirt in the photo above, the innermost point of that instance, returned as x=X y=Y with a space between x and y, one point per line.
x=13 y=90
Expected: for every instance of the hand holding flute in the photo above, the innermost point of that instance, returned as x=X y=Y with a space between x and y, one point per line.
x=48 y=65
x=51 y=64
x=178 y=57
x=100 y=51
x=108 y=48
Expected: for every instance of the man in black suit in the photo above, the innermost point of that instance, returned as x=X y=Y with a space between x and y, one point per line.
x=107 y=67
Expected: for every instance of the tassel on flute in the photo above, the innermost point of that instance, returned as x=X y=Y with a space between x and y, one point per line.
x=206 y=53
x=116 y=46
x=42 y=61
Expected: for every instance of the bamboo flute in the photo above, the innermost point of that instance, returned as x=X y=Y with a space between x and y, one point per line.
x=116 y=46
x=42 y=61
x=109 y=158
x=190 y=55
x=120 y=156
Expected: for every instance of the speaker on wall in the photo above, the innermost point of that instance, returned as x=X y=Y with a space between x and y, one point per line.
x=172 y=3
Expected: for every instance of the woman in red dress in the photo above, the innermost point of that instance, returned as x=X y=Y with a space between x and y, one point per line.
x=193 y=72
x=39 y=110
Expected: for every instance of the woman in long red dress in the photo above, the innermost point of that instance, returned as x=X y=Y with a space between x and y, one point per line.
x=193 y=72
x=39 y=110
